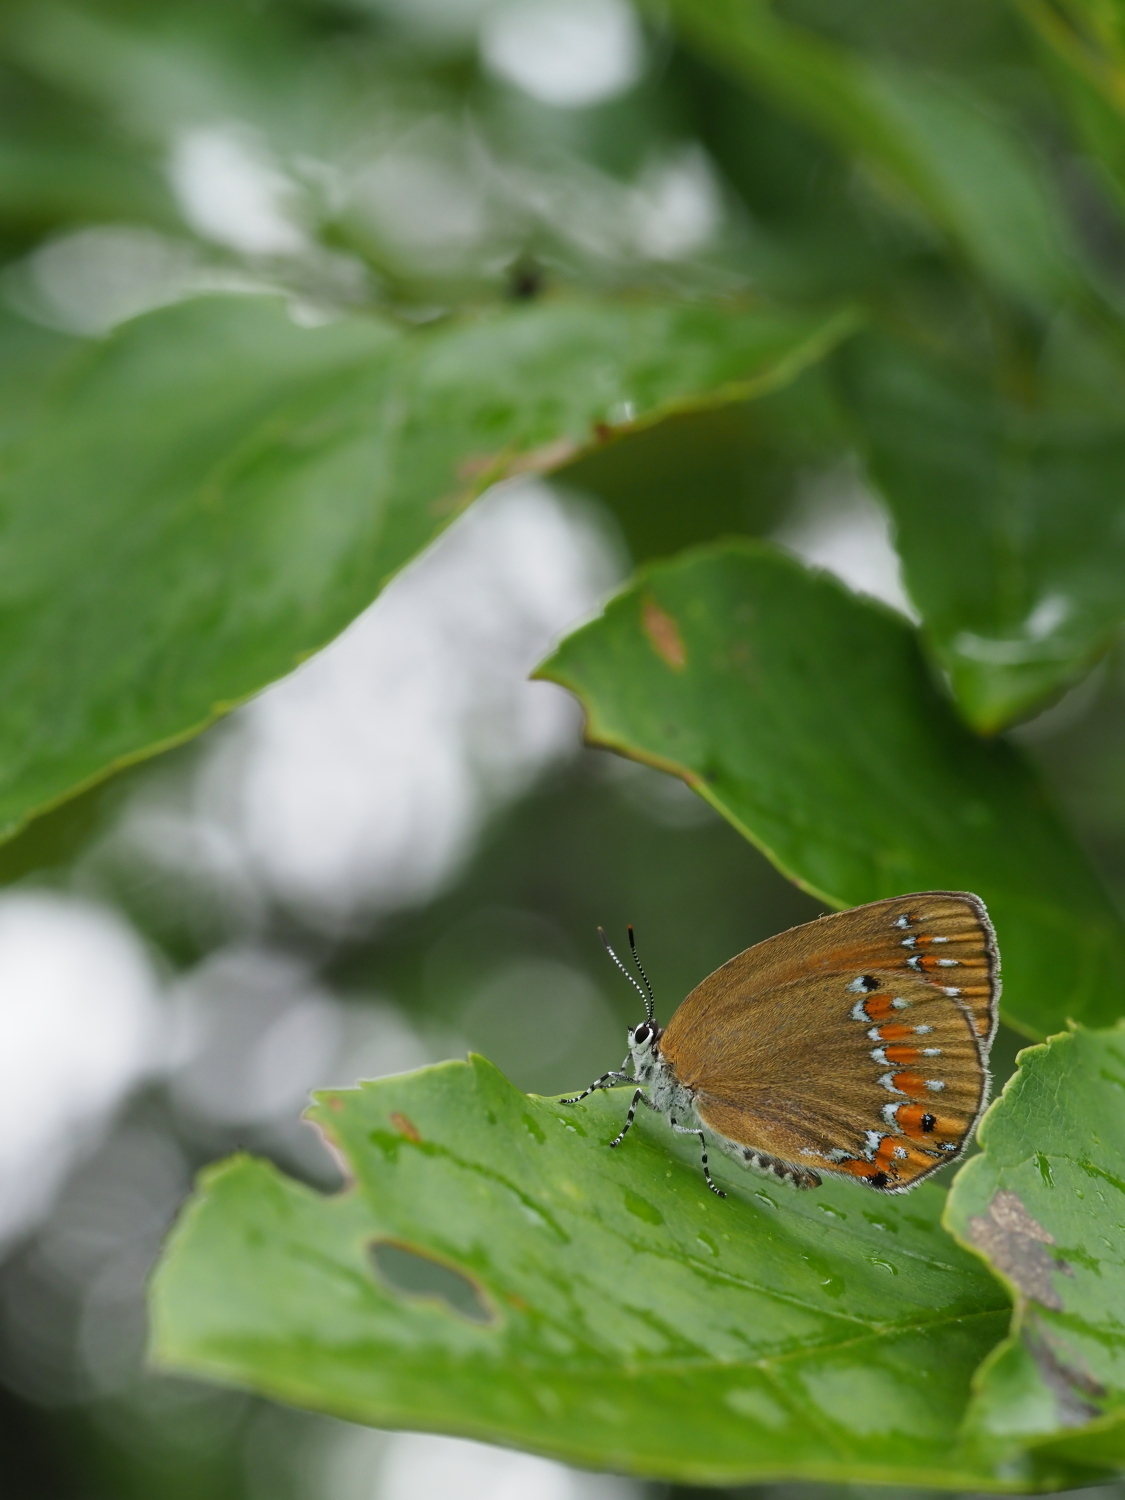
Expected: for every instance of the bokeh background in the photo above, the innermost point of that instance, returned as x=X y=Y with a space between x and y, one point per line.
x=403 y=850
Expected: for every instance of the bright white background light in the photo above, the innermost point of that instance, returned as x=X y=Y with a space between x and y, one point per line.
x=569 y=53
x=841 y=527
x=231 y=192
x=365 y=1465
x=358 y=783
x=79 y=1026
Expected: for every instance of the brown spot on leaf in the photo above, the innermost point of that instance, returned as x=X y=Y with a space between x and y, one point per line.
x=335 y=1103
x=1016 y=1244
x=406 y=1127
x=540 y=460
x=479 y=465
x=1075 y=1392
x=663 y=634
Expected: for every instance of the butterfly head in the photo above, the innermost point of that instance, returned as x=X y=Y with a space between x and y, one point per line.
x=644 y=1040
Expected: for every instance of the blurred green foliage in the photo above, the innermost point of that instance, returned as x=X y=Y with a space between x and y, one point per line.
x=285 y=284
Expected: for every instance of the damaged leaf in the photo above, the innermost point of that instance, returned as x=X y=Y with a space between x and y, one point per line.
x=495 y=1270
x=1044 y=1206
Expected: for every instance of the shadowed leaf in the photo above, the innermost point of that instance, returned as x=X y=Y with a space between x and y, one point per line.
x=927 y=143
x=1007 y=512
x=808 y=718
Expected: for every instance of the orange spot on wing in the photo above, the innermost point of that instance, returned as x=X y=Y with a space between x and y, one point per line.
x=663 y=634
x=895 y=1032
x=891 y=1163
x=911 y=1085
x=912 y=1120
x=854 y=1167
x=878 y=1007
x=901 y=1054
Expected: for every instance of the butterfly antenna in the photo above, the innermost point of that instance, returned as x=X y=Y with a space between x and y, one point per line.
x=644 y=976
x=647 y=1002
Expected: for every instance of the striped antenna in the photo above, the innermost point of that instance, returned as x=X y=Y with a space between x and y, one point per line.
x=644 y=976
x=649 y=1010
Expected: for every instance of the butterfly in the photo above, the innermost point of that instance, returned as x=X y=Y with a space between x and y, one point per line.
x=856 y=1045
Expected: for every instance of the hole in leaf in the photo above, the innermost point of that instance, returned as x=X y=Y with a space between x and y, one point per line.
x=412 y=1273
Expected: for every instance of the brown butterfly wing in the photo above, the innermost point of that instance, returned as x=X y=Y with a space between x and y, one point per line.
x=847 y=1045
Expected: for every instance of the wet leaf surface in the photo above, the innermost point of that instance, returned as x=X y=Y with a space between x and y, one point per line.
x=496 y=1270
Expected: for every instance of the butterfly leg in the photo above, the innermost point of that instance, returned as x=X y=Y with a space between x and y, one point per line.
x=604 y=1082
x=687 y=1130
x=637 y=1098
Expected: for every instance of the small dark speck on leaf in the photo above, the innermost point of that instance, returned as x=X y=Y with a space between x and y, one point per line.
x=525 y=281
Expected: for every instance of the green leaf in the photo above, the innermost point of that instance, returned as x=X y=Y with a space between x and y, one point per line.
x=808 y=718
x=600 y=1306
x=1043 y=1205
x=725 y=470
x=1006 y=500
x=211 y=494
x=1084 y=45
x=928 y=143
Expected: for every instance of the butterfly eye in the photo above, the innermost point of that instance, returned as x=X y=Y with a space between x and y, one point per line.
x=642 y=1033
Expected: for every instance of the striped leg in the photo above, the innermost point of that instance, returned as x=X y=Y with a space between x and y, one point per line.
x=637 y=1097
x=602 y=1083
x=686 y=1130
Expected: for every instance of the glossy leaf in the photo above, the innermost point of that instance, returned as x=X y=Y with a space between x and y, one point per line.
x=1007 y=510
x=203 y=499
x=1044 y=1206
x=600 y=1306
x=808 y=718
x=928 y=143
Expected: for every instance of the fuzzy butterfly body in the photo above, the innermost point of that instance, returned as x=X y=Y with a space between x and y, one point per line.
x=855 y=1045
